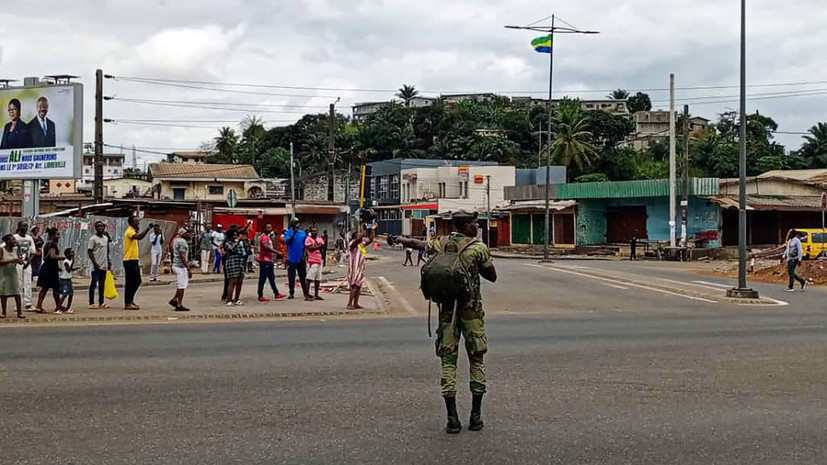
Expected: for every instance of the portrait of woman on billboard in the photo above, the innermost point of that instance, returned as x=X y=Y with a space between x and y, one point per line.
x=15 y=132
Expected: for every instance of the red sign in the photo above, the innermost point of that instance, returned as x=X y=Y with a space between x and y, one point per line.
x=478 y=179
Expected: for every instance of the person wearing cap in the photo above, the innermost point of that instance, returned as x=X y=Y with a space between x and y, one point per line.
x=218 y=237
x=469 y=320
x=180 y=267
x=294 y=239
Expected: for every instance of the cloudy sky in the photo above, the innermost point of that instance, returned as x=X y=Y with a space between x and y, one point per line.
x=363 y=49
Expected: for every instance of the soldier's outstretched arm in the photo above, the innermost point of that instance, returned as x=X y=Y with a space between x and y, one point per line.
x=407 y=242
x=489 y=273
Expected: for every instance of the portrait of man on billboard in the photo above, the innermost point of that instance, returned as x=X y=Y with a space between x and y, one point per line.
x=15 y=132
x=41 y=128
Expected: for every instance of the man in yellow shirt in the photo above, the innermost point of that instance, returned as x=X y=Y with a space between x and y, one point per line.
x=131 y=261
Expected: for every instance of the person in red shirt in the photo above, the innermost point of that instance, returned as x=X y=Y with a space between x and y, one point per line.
x=314 y=245
x=266 y=253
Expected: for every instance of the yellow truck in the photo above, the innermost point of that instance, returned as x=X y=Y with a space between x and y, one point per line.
x=813 y=242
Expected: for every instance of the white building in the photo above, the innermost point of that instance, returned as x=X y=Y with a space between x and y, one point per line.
x=427 y=191
x=112 y=169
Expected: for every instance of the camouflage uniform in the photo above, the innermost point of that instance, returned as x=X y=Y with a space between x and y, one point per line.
x=467 y=321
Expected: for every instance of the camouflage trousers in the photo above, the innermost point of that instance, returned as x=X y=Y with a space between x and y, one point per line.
x=468 y=322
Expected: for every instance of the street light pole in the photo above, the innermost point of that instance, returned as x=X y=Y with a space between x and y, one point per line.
x=568 y=29
x=742 y=291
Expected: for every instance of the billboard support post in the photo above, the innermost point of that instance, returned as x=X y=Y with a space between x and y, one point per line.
x=30 y=206
x=98 y=136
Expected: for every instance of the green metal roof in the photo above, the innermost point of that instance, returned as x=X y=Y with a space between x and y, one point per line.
x=627 y=189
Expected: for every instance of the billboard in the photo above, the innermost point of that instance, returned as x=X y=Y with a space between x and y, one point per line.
x=42 y=132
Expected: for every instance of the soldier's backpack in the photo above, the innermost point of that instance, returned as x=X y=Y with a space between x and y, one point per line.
x=444 y=278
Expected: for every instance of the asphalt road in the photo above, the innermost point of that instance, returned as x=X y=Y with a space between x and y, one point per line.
x=580 y=372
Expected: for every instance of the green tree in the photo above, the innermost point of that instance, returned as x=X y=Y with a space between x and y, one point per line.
x=618 y=94
x=814 y=149
x=594 y=177
x=407 y=94
x=571 y=146
x=639 y=102
x=226 y=143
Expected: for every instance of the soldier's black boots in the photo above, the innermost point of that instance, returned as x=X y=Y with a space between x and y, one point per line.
x=454 y=426
x=475 y=423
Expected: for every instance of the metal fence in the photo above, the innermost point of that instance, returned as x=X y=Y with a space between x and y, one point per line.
x=75 y=233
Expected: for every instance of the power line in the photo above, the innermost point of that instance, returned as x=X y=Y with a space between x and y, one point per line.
x=249 y=85
x=233 y=91
x=202 y=102
x=206 y=107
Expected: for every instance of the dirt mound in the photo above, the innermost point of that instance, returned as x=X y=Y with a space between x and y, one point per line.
x=815 y=272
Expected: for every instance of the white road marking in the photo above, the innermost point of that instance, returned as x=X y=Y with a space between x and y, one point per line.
x=717 y=289
x=628 y=284
x=725 y=286
x=615 y=286
x=405 y=304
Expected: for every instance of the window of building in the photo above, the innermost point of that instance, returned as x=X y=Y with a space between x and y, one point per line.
x=179 y=193
x=216 y=190
x=394 y=186
x=372 y=188
x=442 y=189
x=383 y=187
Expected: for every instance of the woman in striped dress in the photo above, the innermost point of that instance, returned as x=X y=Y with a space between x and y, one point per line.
x=235 y=260
x=356 y=259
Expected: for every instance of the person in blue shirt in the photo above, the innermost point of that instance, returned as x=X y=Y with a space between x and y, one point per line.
x=296 y=264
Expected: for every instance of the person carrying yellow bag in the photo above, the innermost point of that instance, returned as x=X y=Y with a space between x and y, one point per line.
x=98 y=250
x=109 y=289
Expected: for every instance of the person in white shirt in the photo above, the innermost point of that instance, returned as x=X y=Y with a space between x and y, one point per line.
x=218 y=242
x=25 y=250
x=156 y=241
x=793 y=254
x=66 y=289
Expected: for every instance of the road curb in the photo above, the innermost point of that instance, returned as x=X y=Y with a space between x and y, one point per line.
x=134 y=318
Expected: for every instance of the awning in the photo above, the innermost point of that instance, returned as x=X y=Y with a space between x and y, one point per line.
x=770 y=203
x=424 y=206
x=277 y=211
x=537 y=206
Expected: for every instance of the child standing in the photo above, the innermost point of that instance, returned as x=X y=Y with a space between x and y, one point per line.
x=66 y=288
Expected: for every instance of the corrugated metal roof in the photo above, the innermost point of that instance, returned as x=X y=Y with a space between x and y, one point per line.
x=198 y=171
x=628 y=189
x=780 y=203
x=801 y=175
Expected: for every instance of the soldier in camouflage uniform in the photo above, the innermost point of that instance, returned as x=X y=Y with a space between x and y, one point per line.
x=464 y=319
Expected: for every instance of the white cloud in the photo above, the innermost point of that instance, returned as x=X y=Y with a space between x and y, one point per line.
x=437 y=45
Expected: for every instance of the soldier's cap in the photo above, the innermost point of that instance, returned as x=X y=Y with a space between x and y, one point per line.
x=294 y=220
x=464 y=214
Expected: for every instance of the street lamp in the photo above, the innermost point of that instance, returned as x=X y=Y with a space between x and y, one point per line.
x=567 y=29
x=742 y=291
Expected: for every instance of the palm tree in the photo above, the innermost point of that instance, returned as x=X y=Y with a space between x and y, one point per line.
x=226 y=142
x=407 y=94
x=571 y=145
x=618 y=94
x=814 y=148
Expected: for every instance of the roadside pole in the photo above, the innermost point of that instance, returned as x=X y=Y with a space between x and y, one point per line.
x=672 y=167
x=292 y=185
x=685 y=175
x=488 y=209
x=98 y=186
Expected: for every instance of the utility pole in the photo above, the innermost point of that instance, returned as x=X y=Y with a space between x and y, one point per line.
x=550 y=31
x=685 y=173
x=742 y=291
x=347 y=201
x=99 y=136
x=332 y=149
x=488 y=209
x=292 y=185
x=672 y=167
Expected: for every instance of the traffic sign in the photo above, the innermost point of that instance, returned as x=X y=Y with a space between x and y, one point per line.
x=232 y=198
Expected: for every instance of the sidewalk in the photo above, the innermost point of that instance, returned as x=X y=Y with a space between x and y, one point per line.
x=203 y=299
x=535 y=256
